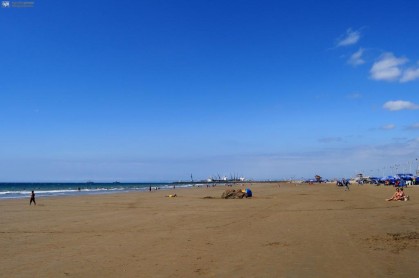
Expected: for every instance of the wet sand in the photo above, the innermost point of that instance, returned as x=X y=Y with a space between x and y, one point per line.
x=291 y=230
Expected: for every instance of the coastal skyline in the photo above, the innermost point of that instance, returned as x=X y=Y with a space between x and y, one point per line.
x=160 y=90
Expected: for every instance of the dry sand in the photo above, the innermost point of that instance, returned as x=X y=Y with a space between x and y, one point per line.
x=295 y=230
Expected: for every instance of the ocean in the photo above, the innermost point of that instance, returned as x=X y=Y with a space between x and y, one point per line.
x=23 y=190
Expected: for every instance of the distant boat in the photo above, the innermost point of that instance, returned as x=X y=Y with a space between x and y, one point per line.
x=116 y=182
x=90 y=182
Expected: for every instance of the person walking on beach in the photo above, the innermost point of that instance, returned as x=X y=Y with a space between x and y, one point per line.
x=32 y=198
x=345 y=183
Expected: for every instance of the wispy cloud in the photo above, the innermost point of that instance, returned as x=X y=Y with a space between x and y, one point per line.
x=387 y=67
x=410 y=74
x=407 y=147
x=413 y=126
x=338 y=161
x=354 y=96
x=388 y=127
x=356 y=58
x=396 y=105
x=350 y=38
x=330 y=139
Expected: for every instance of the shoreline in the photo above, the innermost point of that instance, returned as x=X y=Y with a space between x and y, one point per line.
x=47 y=190
x=19 y=191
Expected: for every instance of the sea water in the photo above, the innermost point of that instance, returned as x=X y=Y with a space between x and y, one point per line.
x=23 y=190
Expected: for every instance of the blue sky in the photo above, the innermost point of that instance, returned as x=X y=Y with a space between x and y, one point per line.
x=157 y=90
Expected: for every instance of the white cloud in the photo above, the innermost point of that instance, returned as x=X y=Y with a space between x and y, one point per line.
x=350 y=38
x=388 y=127
x=396 y=105
x=356 y=58
x=387 y=67
x=410 y=74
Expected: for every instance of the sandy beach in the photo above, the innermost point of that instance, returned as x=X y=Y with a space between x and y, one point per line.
x=285 y=230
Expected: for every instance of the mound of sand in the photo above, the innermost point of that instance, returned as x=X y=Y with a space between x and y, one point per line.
x=233 y=194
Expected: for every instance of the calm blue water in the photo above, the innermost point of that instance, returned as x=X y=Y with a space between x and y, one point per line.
x=23 y=190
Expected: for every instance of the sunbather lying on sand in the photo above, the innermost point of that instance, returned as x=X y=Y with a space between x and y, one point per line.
x=171 y=196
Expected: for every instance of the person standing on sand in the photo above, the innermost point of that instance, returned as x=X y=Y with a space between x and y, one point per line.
x=32 y=198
